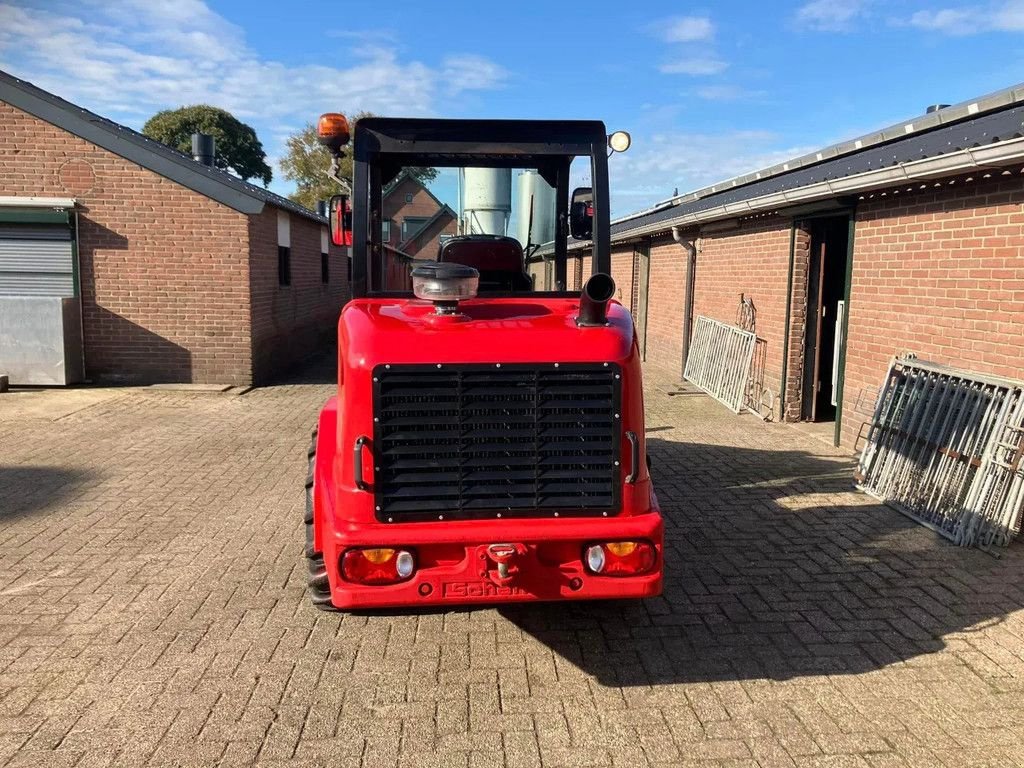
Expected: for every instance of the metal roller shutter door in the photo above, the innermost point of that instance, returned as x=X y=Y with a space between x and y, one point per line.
x=36 y=260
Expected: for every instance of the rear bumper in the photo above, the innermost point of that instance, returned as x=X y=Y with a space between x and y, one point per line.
x=453 y=567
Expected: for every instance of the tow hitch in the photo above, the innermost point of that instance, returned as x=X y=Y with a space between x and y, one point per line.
x=504 y=557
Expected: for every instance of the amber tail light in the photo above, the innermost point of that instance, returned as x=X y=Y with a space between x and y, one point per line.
x=620 y=558
x=377 y=565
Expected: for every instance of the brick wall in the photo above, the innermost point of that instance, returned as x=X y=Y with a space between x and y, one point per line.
x=291 y=322
x=793 y=402
x=164 y=270
x=665 y=304
x=751 y=259
x=622 y=273
x=667 y=280
x=937 y=272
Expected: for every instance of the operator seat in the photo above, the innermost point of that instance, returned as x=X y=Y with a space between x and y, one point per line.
x=498 y=259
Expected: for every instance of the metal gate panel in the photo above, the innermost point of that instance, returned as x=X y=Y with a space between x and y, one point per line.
x=946 y=448
x=719 y=361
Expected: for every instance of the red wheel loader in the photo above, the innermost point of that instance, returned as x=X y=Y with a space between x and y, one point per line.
x=486 y=443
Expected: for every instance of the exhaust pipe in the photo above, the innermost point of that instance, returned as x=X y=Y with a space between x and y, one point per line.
x=594 y=298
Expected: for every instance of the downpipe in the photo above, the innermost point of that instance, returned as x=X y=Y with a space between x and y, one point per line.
x=691 y=269
x=594 y=298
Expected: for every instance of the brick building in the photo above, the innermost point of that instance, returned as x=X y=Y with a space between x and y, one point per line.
x=183 y=272
x=414 y=220
x=917 y=229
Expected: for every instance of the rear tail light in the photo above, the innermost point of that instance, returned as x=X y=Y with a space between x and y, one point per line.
x=621 y=558
x=377 y=565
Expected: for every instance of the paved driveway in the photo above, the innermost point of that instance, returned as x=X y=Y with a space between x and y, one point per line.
x=152 y=613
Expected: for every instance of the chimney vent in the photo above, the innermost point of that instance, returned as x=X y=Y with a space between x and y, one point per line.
x=203 y=149
x=935 y=108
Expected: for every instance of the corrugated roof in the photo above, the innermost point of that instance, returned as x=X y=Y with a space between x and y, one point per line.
x=217 y=184
x=975 y=123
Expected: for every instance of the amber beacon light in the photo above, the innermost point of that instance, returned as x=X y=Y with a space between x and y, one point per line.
x=333 y=131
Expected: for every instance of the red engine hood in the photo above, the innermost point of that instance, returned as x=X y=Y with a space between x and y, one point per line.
x=373 y=331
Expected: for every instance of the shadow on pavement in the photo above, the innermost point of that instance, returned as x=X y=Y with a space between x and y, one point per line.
x=774 y=569
x=27 y=490
x=321 y=368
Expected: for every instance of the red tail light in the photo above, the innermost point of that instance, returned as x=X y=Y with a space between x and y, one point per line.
x=621 y=558
x=377 y=565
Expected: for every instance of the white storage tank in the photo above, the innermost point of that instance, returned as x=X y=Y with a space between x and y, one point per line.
x=531 y=183
x=486 y=200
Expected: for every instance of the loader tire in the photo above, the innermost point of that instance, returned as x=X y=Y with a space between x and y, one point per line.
x=319 y=588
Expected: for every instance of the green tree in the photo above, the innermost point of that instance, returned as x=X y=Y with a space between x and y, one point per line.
x=306 y=162
x=238 y=148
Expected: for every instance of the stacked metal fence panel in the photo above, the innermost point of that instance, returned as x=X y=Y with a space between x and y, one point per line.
x=719 y=360
x=946 y=447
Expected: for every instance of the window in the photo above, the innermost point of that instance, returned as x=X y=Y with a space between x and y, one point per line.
x=284 y=249
x=412 y=224
x=284 y=265
x=325 y=251
x=408 y=197
x=385 y=230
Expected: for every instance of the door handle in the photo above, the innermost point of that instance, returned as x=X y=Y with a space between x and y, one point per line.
x=634 y=457
x=357 y=462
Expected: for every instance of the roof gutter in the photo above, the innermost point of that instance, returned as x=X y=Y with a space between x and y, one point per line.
x=37 y=202
x=993 y=156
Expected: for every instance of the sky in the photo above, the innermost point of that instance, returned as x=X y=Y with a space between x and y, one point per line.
x=707 y=91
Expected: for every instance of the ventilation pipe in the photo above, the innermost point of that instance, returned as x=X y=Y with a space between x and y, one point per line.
x=204 y=148
x=691 y=268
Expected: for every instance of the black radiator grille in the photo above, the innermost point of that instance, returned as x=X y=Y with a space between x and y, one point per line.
x=483 y=440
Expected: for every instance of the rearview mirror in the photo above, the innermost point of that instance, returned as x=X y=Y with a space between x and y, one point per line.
x=581 y=213
x=341 y=220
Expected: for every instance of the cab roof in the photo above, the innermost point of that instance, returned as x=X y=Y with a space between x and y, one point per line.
x=501 y=143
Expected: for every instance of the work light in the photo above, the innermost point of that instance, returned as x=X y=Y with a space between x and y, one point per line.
x=445 y=284
x=619 y=141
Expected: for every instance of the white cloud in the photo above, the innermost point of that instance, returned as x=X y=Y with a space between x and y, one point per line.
x=728 y=92
x=700 y=65
x=1009 y=17
x=971 y=20
x=142 y=54
x=831 y=15
x=469 y=72
x=947 y=20
x=127 y=59
x=684 y=29
x=655 y=166
x=678 y=30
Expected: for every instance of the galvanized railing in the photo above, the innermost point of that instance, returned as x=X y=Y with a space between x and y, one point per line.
x=945 y=447
x=719 y=360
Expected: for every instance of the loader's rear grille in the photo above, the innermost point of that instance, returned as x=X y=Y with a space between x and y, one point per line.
x=483 y=440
